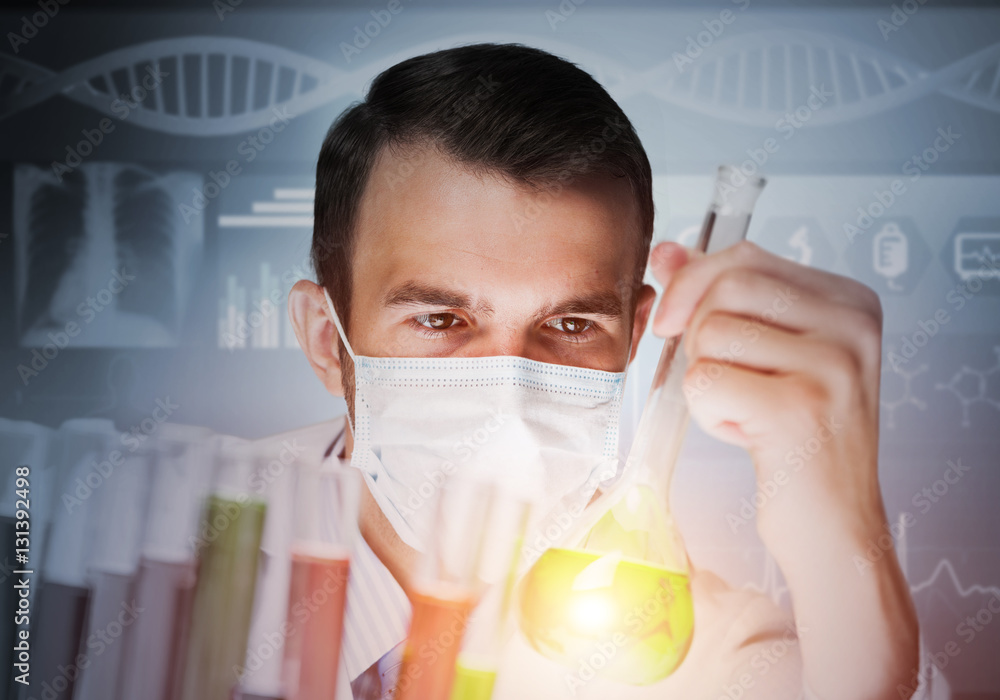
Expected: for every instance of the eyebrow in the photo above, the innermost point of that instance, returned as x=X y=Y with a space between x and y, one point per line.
x=413 y=293
x=604 y=304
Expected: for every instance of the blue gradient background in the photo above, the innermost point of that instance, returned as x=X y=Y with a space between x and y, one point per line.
x=819 y=176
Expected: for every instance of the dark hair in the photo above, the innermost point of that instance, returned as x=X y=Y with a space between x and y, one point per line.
x=502 y=108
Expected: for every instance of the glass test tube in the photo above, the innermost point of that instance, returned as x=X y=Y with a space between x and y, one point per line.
x=118 y=523
x=469 y=547
x=491 y=623
x=228 y=546
x=84 y=445
x=325 y=524
x=164 y=585
x=664 y=420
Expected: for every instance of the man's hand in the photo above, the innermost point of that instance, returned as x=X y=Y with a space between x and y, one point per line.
x=785 y=361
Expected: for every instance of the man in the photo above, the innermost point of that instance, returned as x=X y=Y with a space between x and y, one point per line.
x=494 y=201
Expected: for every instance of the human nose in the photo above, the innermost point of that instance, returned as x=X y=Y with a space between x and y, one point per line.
x=503 y=341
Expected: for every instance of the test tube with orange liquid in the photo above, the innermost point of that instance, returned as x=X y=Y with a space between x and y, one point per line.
x=471 y=546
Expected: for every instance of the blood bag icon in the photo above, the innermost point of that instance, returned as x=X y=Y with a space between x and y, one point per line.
x=891 y=254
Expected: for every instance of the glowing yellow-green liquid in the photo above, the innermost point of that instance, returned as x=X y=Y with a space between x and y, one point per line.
x=626 y=620
x=472 y=683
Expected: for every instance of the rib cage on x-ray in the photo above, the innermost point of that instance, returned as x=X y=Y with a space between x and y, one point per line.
x=56 y=236
x=144 y=236
x=80 y=237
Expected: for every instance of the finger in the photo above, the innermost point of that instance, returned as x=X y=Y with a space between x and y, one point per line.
x=689 y=284
x=764 y=300
x=759 y=298
x=721 y=338
x=746 y=407
x=665 y=259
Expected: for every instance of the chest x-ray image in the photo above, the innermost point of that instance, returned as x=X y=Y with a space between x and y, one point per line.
x=104 y=258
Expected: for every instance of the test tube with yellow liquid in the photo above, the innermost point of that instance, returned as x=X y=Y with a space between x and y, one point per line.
x=618 y=588
x=228 y=546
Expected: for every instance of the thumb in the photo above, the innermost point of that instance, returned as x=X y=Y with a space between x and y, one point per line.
x=665 y=259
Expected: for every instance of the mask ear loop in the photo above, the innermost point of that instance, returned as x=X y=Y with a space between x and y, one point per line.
x=347 y=346
x=340 y=328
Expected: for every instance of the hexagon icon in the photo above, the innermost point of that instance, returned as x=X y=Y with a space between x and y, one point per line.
x=972 y=255
x=890 y=257
x=797 y=238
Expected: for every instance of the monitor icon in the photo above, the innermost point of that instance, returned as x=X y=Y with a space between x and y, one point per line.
x=978 y=255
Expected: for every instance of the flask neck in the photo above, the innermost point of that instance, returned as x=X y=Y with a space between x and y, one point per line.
x=662 y=426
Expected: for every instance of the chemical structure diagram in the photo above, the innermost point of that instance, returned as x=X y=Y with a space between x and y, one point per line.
x=980 y=387
x=907 y=397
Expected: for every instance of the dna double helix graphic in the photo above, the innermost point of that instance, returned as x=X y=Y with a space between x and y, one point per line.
x=222 y=85
x=758 y=78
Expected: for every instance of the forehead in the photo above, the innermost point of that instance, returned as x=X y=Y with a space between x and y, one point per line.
x=427 y=217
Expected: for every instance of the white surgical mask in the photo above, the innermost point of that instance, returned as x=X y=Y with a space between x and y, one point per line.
x=549 y=432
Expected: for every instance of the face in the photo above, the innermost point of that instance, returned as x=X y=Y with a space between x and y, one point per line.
x=450 y=263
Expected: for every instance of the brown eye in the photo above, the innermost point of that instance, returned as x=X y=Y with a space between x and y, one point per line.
x=571 y=326
x=437 y=322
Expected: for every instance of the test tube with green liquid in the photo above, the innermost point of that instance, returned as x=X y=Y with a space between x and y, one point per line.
x=228 y=544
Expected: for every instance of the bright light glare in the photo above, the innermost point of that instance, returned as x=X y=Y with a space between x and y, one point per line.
x=592 y=612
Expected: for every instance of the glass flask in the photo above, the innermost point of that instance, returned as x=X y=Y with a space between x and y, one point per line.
x=621 y=576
